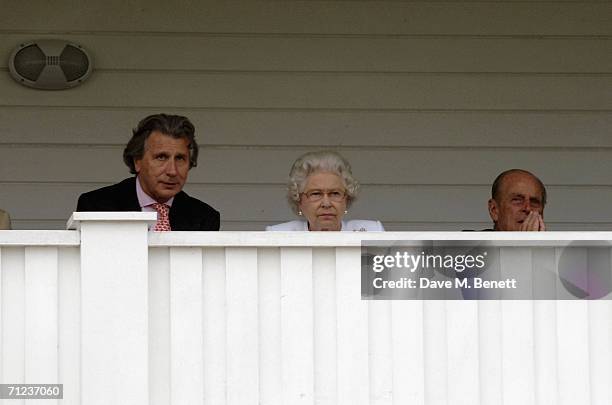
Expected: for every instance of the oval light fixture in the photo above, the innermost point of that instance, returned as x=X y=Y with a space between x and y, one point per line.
x=50 y=64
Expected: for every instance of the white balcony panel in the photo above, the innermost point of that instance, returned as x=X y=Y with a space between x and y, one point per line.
x=214 y=328
x=546 y=383
x=462 y=348
x=600 y=328
x=325 y=326
x=159 y=327
x=297 y=346
x=380 y=353
x=517 y=332
x=186 y=358
x=518 y=352
x=435 y=352
x=2 y=306
x=572 y=336
x=352 y=326
x=41 y=315
x=490 y=351
x=13 y=316
x=270 y=326
x=114 y=304
x=545 y=326
x=573 y=352
x=69 y=324
x=242 y=326
x=408 y=355
x=234 y=318
x=600 y=351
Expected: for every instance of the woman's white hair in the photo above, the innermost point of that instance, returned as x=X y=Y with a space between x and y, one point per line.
x=316 y=162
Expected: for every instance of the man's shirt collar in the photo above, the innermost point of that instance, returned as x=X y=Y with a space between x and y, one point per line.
x=146 y=200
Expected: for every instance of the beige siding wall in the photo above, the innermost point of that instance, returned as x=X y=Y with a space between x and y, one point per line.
x=429 y=101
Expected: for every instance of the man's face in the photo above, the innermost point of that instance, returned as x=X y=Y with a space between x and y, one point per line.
x=164 y=166
x=518 y=206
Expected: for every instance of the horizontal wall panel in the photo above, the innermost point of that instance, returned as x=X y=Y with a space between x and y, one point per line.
x=324 y=91
x=343 y=54
x=105 y=126
x=386 y=203
x=329 y=17
x=244 y=165
x=429 y=100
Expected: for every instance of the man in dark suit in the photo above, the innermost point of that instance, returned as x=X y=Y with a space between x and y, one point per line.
x=160 y=153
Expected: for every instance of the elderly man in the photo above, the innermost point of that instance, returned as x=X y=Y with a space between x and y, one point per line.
x=160 y=154
x=517 y=202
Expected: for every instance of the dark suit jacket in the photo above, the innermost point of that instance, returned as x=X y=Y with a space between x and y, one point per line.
x=186 y=214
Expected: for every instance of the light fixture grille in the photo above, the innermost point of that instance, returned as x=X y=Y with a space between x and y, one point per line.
x=30 y=62
x=74 y=63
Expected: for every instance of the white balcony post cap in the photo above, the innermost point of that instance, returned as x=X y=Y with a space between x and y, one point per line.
x=75 y=220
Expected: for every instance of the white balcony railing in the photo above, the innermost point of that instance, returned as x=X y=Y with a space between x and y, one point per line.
x=120 y=315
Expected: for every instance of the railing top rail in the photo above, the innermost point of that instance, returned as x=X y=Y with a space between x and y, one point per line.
x=39 y=238
x=304 y=239
x=347 y=239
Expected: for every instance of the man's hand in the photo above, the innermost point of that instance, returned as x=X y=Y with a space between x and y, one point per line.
x=534 y=222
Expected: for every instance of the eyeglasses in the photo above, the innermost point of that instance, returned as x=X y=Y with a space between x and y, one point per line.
x=317 y=195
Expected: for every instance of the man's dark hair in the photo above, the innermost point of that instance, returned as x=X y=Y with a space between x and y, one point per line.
x=499 y=179
x=175 y=126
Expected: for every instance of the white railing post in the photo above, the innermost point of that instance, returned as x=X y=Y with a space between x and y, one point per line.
x=114 y=306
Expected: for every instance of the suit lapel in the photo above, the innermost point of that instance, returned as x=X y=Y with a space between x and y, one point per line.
x=130 y=198
x=179 y=216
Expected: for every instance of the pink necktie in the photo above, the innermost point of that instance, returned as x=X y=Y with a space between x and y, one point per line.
x=163 y=220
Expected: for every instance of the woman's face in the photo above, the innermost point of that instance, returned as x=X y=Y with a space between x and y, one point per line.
x=323 y=201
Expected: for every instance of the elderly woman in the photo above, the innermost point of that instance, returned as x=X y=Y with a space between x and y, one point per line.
x=321 y=188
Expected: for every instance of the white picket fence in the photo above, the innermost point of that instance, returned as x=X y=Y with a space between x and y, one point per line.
x=120 y=315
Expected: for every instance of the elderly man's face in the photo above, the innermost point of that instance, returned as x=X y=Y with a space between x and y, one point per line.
x=519 y=205
x=164 y=166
